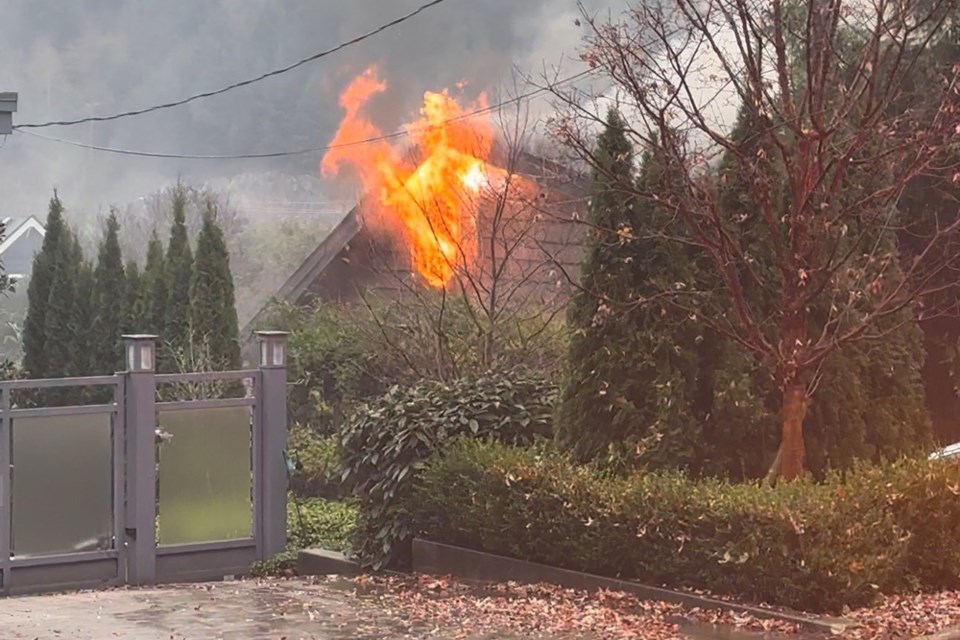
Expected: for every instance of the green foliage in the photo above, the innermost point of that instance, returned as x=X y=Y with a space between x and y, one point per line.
x=178 y=269
x=343 y=354
x=386 y=441
x=695 y=399
x=155 y=287
x=9 y=370
x=110 y=303
x=311 y=523
x=46 y=265
x=808 y=546
x=81 y=332
x=13 y=311
x=77 y=313
x=331 y=364
x=136 y=299
x=315 y=522
x=628 y=396
x=318 y=460
x=64 y=312
x=5 y=284
x=213 y=311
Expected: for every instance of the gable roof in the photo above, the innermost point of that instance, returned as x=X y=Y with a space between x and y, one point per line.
x=298 y=285
x=15 y=228
x=313 y=265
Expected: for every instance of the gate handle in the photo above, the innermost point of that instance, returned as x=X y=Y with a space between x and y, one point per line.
x=163 y=436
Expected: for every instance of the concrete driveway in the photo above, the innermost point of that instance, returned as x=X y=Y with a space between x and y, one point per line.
x=296 y=609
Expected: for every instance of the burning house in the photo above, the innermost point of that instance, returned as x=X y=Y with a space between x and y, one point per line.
x=459 y=209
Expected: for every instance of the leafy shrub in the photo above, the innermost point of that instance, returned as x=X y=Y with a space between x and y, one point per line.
x=341 y=355
x=388 y=440
x=331 y=363
x=311 y=523
x=318 y=464
x=803 y=545
x=316 y=522
x=924 y=497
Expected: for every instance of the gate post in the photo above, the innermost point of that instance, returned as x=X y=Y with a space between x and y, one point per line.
x=273 y=441
x=140 y=453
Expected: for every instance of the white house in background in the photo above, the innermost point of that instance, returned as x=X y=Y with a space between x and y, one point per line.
x=22 y=240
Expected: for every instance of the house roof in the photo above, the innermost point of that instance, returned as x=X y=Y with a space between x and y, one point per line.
x=314 y=264
x=298 y=285
x=14 y=228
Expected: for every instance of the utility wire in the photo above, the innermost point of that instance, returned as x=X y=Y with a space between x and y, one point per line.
x=242 y=83
x=297 y=152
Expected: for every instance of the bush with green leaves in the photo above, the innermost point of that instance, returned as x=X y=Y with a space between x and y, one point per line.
x=317 y=459
x=817 y=547
x=386 y=441
x=331 y=364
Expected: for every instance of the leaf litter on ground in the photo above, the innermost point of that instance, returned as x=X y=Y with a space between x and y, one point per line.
x=462 y=609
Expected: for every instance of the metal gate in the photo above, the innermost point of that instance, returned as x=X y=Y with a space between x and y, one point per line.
x=139 y=478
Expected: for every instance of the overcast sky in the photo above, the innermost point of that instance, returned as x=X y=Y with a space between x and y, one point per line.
x=78 y=58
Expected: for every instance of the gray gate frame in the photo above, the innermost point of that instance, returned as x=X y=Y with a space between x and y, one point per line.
x=135 y=558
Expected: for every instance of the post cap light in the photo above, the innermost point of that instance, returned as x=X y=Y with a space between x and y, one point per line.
x=8 y=106
x=273 y=351
x=141 y=350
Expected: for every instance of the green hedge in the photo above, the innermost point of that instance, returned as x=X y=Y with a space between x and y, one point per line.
x=387 y=441
x=808 y=546
x=313 y=522
x=319 y=469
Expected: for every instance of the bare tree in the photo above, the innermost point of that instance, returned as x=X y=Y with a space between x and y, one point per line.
x=503 y=295
x=834 y=135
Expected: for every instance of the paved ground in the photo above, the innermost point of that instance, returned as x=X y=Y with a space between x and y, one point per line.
x=250 y=610
x=228 y=611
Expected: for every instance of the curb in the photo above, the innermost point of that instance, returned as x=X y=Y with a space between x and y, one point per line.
x=322 y=562
x=441 y=559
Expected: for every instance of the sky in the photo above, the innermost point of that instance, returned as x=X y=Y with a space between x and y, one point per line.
x=93 y=57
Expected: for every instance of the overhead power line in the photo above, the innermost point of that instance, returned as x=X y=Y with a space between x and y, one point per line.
x=235 y=85
x=308 y=150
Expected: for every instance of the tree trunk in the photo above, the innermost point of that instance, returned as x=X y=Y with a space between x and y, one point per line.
x=794 y=411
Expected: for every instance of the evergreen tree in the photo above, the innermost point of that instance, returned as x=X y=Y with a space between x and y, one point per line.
x=136 y=298
x=110 y=295
x=868 y=402
x=45 y=267
x=62 y=355
x=212 y=302
x=83 y=343
x=4 y=280
x=154 y=284
x=179 y=271
x=627 y=396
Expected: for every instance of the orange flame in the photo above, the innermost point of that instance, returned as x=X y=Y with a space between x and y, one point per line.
x=436 y=196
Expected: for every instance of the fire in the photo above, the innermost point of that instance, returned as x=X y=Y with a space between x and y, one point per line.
x=434 y=192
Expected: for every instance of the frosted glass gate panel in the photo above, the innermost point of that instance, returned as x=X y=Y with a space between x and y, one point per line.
x=205 y=475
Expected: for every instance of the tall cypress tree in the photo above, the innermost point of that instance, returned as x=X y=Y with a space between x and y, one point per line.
x=869 y=401
x=136 y=297
x=179 y=273
x=212 y=301
x=45 y=266
x=154 y=282
x=61 y=356
x=4 y=280
x=626 y=400
x=83 y=347
x=110 y=296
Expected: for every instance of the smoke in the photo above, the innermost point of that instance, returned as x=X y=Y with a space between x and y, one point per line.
x=88 y=57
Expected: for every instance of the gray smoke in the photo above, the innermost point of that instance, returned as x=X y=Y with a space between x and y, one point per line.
x=72 y=59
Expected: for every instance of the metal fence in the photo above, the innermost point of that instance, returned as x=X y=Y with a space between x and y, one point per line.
x=127 y=479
